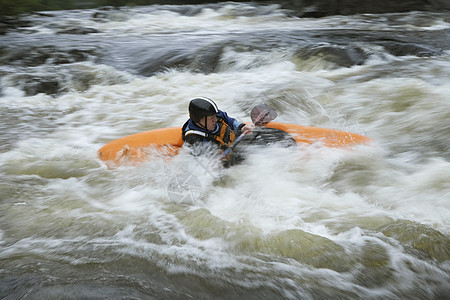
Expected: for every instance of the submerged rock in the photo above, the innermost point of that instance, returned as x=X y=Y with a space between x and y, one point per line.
x=9 y=23
x=419 y=240
x=322 y=8
x=342 y=56
x=36 y=84
x=78 y=30
x=40 y=55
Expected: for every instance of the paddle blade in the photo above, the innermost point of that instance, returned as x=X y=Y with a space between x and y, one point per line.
x=262 y=114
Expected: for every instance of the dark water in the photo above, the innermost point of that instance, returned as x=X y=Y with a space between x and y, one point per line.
x=307 y=222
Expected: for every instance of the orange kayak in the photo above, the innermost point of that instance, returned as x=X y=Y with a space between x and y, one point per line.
x=139 y=147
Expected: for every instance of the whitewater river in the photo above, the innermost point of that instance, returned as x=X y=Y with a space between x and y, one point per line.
x=305 y=222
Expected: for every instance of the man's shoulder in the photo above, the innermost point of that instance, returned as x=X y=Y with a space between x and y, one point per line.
x=190 y=125
x=222 y=114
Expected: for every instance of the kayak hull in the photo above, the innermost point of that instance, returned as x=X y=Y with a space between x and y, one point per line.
x=138 y=147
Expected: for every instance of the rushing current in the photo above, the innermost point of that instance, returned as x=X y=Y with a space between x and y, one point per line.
x=303 y=222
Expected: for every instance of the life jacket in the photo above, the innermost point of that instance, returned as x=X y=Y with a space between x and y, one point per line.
x=223 y=136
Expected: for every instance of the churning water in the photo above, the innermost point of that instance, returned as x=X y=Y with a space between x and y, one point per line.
x=307 y=222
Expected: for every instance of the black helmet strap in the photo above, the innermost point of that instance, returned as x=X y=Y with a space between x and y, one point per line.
x=204 y=124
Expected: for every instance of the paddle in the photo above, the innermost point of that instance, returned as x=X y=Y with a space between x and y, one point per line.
x=261 y=114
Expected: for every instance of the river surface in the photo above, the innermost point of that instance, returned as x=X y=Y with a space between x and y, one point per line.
x=306 y=222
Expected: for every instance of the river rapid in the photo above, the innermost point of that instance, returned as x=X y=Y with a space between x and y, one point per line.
x=305 y=222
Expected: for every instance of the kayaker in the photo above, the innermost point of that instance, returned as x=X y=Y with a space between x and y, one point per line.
x=208 y=124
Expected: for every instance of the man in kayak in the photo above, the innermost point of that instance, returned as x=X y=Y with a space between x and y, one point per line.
x=209 y=124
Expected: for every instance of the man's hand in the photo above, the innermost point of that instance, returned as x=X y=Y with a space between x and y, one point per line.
x=248 y=128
